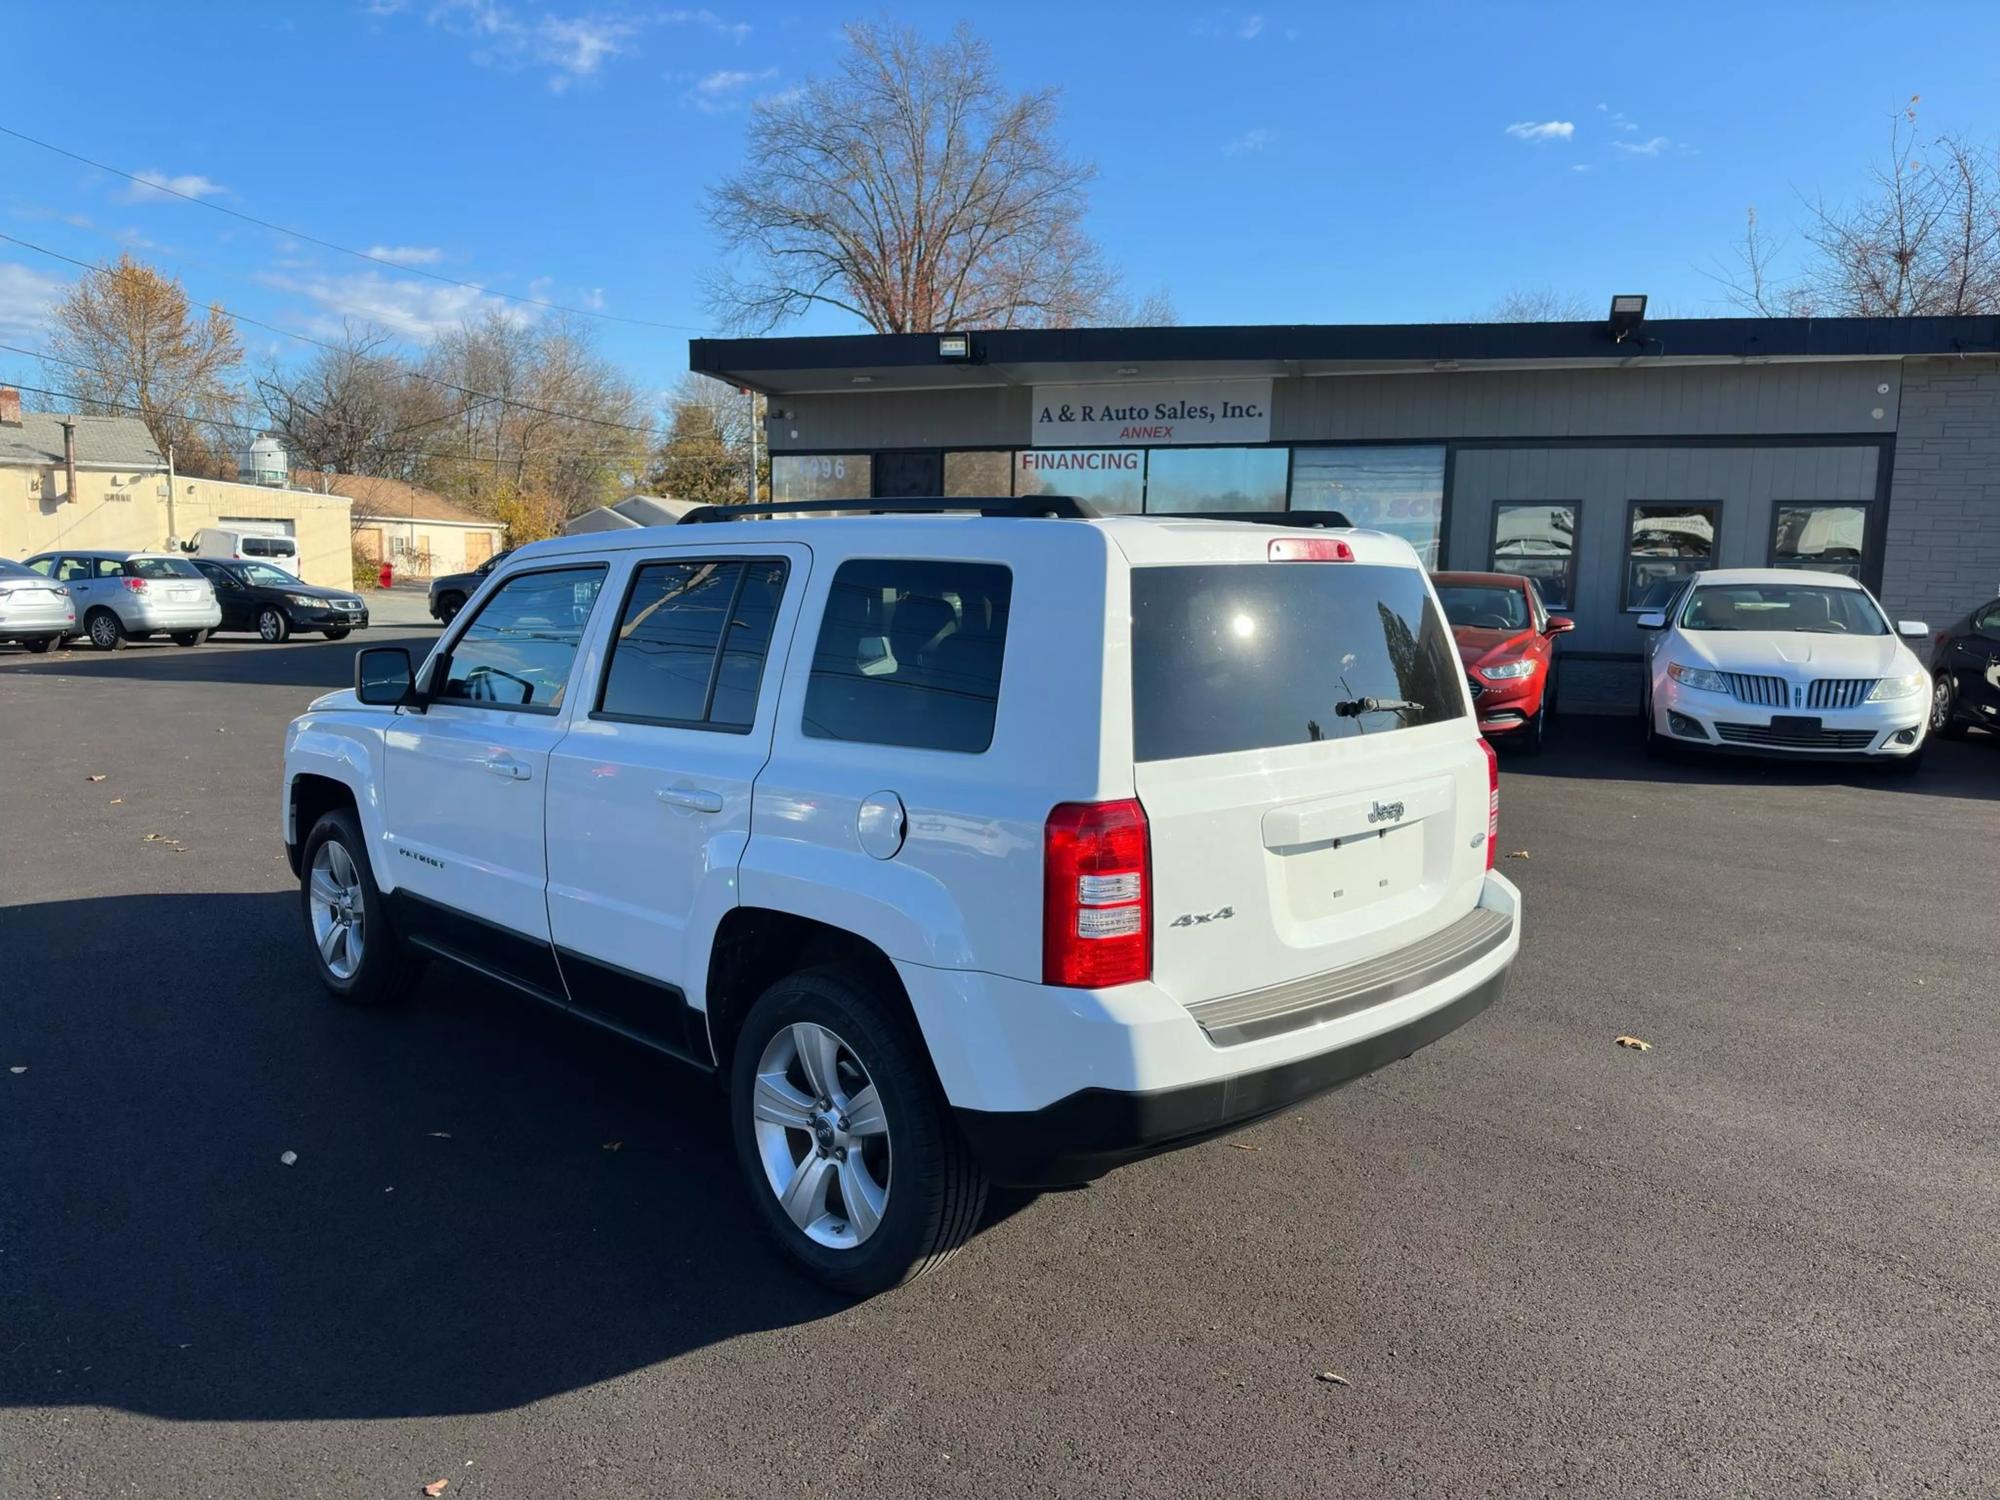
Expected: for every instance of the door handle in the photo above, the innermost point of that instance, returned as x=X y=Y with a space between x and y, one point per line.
x=691 y=799
x=507 y=766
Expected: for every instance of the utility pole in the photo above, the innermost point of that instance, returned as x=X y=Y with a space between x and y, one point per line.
x=173 y=531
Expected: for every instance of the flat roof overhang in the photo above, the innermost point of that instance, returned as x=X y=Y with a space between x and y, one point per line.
x=1042 y=356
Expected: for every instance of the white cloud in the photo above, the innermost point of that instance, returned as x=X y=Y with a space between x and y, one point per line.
x=26 y=295
x=1250 y=142
x=415 y=310
x=721 y=91
x=407 y=255
x=570 y=49
x=155 y=185
x=1229 y=23
x=576 y=48
x=735 y=31
x=1546 y=130
x=1651 y=147
x=1579 y=167
x=1250 y=27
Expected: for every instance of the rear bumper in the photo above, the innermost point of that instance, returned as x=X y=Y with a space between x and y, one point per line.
x=197 y=616
x=24 y=623
x=1056 y=1086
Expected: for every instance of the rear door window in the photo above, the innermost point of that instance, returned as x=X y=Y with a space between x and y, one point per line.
x=691 y=643
x=1249 y=656
x=269 y=546
x=909 y=654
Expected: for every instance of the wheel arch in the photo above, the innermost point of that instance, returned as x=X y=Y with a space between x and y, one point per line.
x=325 y=769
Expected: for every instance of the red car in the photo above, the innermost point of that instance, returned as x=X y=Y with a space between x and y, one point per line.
x=1506 y=637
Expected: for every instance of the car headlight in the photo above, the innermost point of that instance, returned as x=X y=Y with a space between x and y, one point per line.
x=303 y=602
x=1509 y=669
x=1697 y=677
x=1890 y=688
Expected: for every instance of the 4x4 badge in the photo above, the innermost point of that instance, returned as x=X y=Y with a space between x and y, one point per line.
x=1196 y=918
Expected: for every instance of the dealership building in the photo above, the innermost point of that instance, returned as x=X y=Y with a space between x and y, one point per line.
x=1605 y=459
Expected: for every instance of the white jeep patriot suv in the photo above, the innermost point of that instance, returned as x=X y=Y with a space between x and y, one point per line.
x=1004 y=846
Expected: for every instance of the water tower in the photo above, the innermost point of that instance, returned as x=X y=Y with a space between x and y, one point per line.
x=264 y=463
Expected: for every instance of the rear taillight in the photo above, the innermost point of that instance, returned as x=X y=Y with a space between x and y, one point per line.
x=136 y=585
x=1492 y=798
x=1097 y=927
x=1308 y=549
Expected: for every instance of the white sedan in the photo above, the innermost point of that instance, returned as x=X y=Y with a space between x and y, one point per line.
x=1780 y=661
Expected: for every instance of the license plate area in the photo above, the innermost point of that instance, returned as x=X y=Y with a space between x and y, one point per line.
x=1794 y=724
x=1346 y=874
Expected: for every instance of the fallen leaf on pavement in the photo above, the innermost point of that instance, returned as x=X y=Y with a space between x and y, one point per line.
x=116 y=800
x=1239 y=1146
x=443 y=1135
x=1520 y=854
x=436 y=1488
x=288 y=1157
x=22 y=1069
x=1635 y=1044
x=1328 y=1377
x=614 y=1146
x=98 y=777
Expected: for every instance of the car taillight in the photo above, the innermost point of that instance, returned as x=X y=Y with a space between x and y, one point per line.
x=136 y=585
x=1492 y=799
x=1308 y=549
x=1097 y=927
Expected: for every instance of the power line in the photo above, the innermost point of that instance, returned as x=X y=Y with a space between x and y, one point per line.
x=397 y=365
x=153 y=186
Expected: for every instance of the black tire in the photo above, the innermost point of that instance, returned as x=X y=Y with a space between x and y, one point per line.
x=387 y=969
x=272 y=626
x=1909 y=765
x=42 y=644
x=448 y=606
x=106 y=630
x=1656 y=744
x=936 y=1191
x=190 y=637
x=1945 y=722
x=337 y=635
x=1528 y=738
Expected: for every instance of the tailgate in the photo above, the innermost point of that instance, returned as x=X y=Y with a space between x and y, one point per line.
x=1313 y=784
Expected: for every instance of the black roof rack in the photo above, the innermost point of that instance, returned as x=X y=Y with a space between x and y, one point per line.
x=1060 y=507
x=1313 y=518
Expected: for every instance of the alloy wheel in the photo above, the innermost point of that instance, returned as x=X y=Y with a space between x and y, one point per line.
x=104 y=632
x=1940 y=704
x=337 y=912
x=822 y=1135
x=271 y=625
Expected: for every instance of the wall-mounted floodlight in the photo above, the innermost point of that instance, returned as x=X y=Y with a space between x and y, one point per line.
x=954 y=346
x=1628 y=311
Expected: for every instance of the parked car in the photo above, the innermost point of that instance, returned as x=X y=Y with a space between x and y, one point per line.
x=34 y=609
x=128 y=596
x=227 y=545
x=1781 y=661
x=1506 y=636
x=257 y=597
x=1965 y=673
x=761 y=795
x=449 y=593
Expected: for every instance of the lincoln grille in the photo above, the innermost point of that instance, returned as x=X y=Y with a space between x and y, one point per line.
x=1765 y=692
x=1839 y=692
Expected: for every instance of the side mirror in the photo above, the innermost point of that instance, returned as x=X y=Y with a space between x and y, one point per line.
x=1653 y=620
x=1561 y=625
x=383 y=676
x=1915 y=629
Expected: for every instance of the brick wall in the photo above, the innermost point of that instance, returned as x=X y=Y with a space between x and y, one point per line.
x=1943 y=546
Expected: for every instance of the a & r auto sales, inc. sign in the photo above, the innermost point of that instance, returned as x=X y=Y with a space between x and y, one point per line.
x=1160 y=414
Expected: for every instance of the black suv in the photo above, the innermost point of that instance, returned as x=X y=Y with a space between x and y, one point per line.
x=1965 y=673
x=449 y=593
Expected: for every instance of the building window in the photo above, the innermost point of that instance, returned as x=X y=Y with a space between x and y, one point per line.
x=1538 y=541
x=1827 y=538
x=690 y=647
x=909 y=654
x=517 y=651
x=1399 y=490
x=822 y=476
x=1112 y=479
x=1667 y=542
x=1203 y=479
x=982 y=473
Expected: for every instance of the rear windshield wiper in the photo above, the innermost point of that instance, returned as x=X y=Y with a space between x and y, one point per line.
x=1354 y=708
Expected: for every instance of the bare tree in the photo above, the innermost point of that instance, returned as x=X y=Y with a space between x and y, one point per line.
x=126 y=341
x=357 y=408
x=913 y=190
x=1923 y=239
x=1541 y=304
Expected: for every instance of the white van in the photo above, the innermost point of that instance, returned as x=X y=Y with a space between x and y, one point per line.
x=235 y=546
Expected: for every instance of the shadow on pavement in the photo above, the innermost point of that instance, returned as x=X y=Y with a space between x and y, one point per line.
x=491 y=1203
x=1607 y=748
x=299 y=662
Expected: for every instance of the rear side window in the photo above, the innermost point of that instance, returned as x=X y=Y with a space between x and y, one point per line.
x=691 y=643
x=160 y=567
x=909 y=654
x=516 y=654
x=1248 y=656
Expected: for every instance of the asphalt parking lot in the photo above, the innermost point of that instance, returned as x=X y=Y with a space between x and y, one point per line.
x=1762 y=1258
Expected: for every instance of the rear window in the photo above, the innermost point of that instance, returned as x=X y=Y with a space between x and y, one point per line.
x=160 y=567
x=1248 y=656
x=269 y=546
x=1484 y=606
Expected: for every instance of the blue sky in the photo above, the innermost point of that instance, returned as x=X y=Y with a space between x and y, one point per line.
x=1267 y=163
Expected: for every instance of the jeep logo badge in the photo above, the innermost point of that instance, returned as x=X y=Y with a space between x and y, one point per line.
x=1385 y=812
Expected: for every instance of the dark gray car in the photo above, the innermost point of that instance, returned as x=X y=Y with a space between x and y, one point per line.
x=449 y=593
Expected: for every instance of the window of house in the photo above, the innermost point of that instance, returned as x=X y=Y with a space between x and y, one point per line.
x=1397 y=489
x=909 y=654
x=822 y=476
x=1111 y=479
x=1826 y=538
x=1538 y=541
x=691 y=643
x=516 y=653
x=1665 y=544
x=1204 y=479
x=979 y=473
